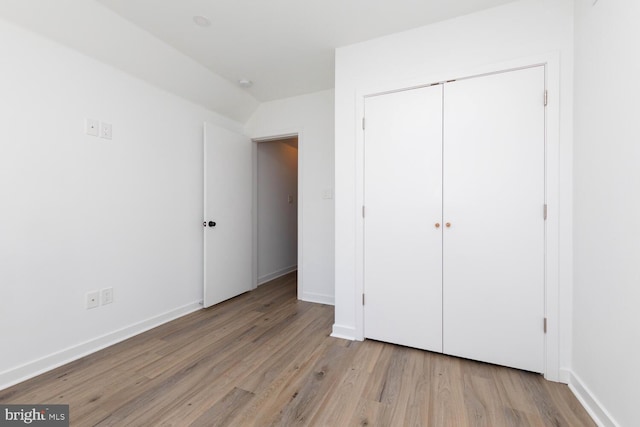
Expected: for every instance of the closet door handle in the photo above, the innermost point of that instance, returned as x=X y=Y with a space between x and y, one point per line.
x=448 y=225
x=437 y=225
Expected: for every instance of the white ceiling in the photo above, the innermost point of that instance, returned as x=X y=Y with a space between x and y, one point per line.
x=286 y=47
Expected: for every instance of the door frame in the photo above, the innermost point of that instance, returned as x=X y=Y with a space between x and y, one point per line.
x=558 y=316
x=274 y=136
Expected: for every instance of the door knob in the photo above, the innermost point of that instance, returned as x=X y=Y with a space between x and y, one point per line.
x=212 y=224
x=437 y=225
x=448 y=225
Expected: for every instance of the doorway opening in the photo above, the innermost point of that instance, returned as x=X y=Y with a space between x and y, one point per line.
x=277 y=203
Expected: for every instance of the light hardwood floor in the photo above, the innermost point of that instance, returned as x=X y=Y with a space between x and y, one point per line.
x=265 y=358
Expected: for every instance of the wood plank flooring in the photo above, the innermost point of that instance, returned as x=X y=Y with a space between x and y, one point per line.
x=266 y=359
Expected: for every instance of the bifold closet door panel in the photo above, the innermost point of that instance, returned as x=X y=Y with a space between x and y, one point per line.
x=402 y=224
x=493 y=251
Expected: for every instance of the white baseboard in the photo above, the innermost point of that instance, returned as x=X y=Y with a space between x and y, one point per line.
x=32 y=369
x=344 y=332
x=269 y=277
x=600 y=415
x=317 y=298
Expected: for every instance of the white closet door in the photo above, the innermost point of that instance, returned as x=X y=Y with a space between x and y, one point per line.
x=493 y=252
x=403 y=200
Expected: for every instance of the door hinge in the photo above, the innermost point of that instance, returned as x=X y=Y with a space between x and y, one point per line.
x=546 y=97
x=544 y=213
x=363 y=123
x=363 y=299
x=545 y=324
x=362 y=211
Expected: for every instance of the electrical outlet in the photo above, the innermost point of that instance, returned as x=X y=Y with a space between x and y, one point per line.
x=107 y=296
x=105 y=130
x=91 y=127
x=93 y=299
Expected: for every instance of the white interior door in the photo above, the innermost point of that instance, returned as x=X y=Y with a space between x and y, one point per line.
x=494 y=149
x=402 y=232
x=228 y=196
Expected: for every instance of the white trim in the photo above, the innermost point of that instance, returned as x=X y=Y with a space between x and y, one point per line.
x=565 y=376
x=254 y=215
x=359 y=201
x=277 y=137
x=34 y=368
x=551 y=61
x=552 y=227
x=344 y=332
x=269 y=277
x=275 y=134
x=317 y=298
x=596 y=410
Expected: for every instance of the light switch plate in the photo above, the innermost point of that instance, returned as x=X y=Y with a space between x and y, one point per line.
x=107 y=296
x=105 y=130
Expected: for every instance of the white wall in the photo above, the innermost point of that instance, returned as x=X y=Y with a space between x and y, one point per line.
x=277 y=217
x=607 y=209
x=517 y=30
x=312 y=117
x=79 y=213
x=95 y=30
